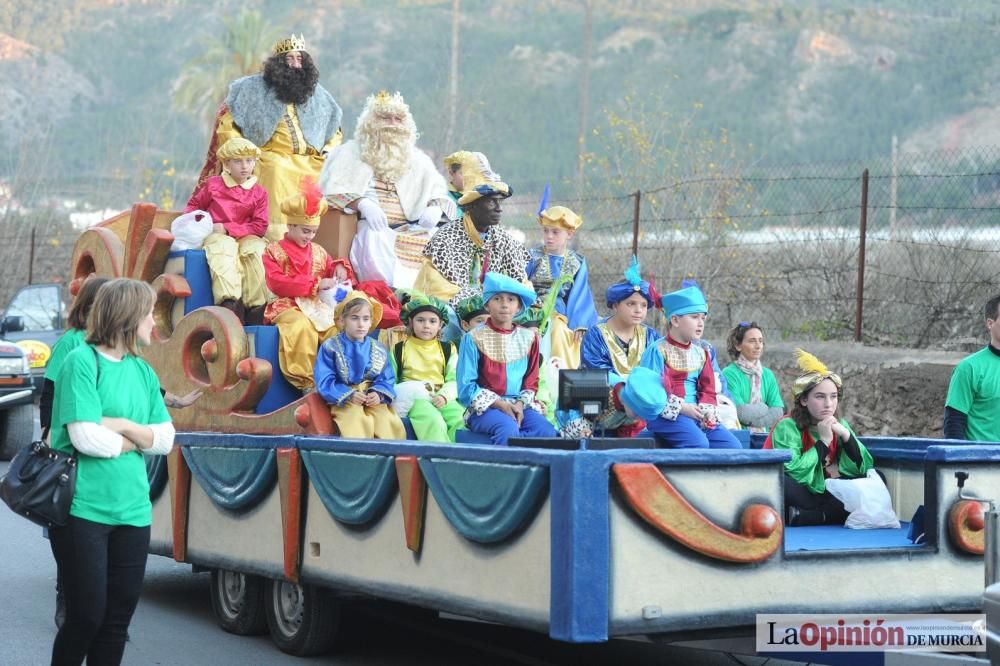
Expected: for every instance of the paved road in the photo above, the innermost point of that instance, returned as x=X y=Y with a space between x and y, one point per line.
x=174 y=625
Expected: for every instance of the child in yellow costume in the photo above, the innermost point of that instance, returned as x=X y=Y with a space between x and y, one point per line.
x=553 y=265
x=425 y=371
x=354 y=375
x=238 y=206
x=297 y=271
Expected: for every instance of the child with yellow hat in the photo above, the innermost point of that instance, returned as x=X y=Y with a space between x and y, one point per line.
x=553 y=266
x=822 y=445
x=354 y=374
x=297 y=270
x=238 y=206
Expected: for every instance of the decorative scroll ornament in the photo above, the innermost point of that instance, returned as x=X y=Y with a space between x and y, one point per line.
x=660 y=504
x=966 y=525
x=206 y=349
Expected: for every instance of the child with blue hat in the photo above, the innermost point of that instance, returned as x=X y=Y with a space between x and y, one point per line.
x=617 y=343
x=689 y=418
x=498 y=367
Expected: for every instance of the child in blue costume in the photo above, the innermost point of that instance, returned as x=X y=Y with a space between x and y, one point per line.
x=617 y=343
x=498 y=365
x=553 y=265
x=354 y=375
x=690 y=417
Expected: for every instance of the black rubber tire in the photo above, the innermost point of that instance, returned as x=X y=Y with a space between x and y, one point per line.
x=238 y=602
x=304 y=620
x=17 y=427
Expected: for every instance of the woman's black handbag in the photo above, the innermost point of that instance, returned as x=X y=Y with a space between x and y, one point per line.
x=39 y=484
x=41 y=481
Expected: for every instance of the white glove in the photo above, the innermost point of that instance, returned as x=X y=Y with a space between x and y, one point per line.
x=430 y=217
x=372 y=212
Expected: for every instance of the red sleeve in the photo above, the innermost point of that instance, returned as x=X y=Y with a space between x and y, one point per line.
x=199 y=200
x=286 y=285
x=530 y=381
x=668 y=381
x=258 y=223
x=347 y=266
x=706 y=383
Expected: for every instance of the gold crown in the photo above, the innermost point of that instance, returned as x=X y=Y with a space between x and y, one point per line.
x=292 y=43
x=386 y=100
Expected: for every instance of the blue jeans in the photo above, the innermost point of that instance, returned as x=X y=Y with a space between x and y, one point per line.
x=501 y=427
x=685 y=433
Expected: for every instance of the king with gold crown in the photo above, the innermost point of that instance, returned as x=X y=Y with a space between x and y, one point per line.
x=394 y=187
x=286 y=112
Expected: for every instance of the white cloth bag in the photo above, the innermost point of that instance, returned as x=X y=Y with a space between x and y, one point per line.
x=190 y=230
x=409 y=392
x=867 y=500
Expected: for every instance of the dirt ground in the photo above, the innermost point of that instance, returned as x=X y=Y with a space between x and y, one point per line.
x=887 y=391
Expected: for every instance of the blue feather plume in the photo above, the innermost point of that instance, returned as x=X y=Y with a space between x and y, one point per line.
x=632 y=273
x=689 y=282
x=544 y=202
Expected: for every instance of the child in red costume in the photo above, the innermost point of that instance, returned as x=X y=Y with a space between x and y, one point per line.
x=298 y=271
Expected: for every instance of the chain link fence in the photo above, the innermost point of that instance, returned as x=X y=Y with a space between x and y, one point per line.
x=33 y=249
x=779 y=245
x=783 y=245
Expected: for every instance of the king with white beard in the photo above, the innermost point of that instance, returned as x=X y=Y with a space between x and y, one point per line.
x=393 y=186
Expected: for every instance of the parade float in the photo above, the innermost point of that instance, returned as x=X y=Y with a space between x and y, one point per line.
x=580 y=543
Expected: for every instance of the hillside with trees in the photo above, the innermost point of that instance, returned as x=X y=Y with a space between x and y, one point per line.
x=108 y=101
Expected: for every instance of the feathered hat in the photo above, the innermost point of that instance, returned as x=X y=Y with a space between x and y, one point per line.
x=632 y=284
x=307 y=206
x=813 y=372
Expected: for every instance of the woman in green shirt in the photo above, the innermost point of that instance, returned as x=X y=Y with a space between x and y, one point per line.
x=822 y=446
x=108 y=412
x=753 y=387
x=67 y=342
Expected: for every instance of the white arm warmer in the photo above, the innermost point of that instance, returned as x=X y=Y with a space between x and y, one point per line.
x=95 y=440
x=163 y=439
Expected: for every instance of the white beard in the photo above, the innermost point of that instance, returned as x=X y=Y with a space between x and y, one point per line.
x=388 y=153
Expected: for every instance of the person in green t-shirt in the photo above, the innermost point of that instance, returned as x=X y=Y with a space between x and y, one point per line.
x=75 y=336
x=972 y=408
x=822 y=446
x=108 y=411
x=72 y=338
x=67 y=342
x=753 y=387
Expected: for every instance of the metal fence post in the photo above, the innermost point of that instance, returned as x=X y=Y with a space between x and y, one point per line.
x=635 y=223
x=31 y=257
x=863 y=234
